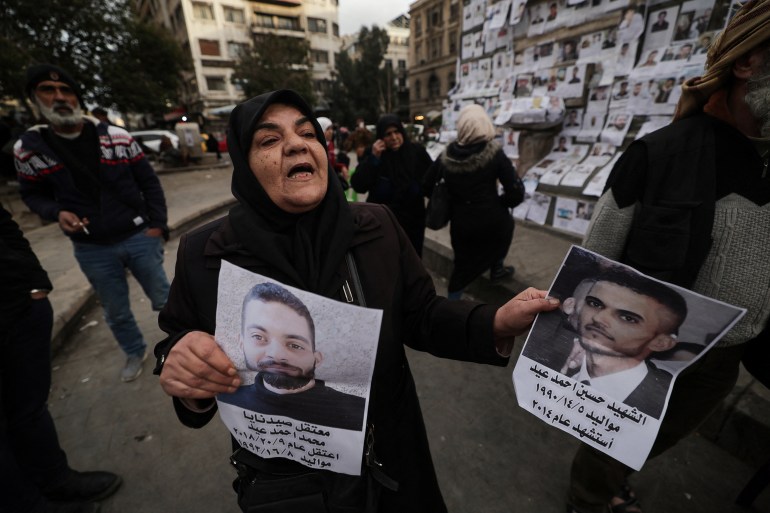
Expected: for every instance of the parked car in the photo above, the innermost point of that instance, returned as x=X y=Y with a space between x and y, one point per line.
x=151 y=138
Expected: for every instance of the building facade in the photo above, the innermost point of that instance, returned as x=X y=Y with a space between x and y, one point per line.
x=216 y=33
x=434 y=34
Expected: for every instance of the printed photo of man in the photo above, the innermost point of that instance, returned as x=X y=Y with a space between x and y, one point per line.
x=609 y=329
x=278 y=338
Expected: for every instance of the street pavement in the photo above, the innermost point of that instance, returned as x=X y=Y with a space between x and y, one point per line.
x=490 y=455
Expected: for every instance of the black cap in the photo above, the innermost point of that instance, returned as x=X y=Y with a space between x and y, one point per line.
x=42 y=72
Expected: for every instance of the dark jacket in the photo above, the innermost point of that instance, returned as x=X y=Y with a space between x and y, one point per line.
x=20 y=271
x=130 y=195
x=676 y=174
x=395 y=179
x=481 y=224
x=393 y=280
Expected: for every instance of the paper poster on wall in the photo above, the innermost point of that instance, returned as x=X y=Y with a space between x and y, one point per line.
x=511 y=143
x=521 y=210
x=614 y=403
x=593 y=122
x=538 y=208
x=595 y=187
x=631 y=25
x=660 y=27
x=517 y=13
x=306 y=364
x=577 y=175
x=618 y=122
x=572 y=215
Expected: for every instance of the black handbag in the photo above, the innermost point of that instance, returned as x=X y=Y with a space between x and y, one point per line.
x=439 y=210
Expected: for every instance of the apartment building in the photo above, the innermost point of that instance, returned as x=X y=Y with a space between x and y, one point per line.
x=216 y=32
x=434 y=34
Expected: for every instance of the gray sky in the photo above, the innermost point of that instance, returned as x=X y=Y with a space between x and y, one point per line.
x=355 y=13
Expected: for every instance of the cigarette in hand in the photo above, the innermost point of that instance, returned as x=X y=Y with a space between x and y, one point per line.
x=85 y=230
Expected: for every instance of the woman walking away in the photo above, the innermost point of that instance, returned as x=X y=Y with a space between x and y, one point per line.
x=481 y=226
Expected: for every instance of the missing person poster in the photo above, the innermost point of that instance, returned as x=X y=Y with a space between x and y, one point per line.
x=601 y=367
x=306 y=365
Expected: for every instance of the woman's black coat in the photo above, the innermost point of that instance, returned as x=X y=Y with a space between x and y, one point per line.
x=393 y=280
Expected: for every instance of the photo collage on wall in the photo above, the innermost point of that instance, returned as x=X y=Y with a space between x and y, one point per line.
x=604 y=87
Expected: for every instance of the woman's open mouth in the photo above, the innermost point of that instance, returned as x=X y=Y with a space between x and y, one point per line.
x=300 y=171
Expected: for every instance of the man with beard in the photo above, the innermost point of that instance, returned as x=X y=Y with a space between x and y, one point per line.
x=688 y=204
x=93 y=179
x=278 y=337
x=612 y=325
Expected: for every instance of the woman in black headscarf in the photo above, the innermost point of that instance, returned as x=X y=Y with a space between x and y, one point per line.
x=292 y=224
x=392 y=175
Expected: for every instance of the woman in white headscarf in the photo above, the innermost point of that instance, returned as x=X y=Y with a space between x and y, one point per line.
x=481 y=224
x=339 y=167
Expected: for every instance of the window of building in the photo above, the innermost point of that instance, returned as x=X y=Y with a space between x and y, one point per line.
x=287 y=23
x=319 y=56
x=434 y=47
x=203 y=11
x=452 y=42
x=317 y=25
x=417 y=90
x=336 y=29
x=263 y=20
x=417 y=21
x=237 y=50
x=401 y=81
x=209 y=47
x=454 y=11
x=401 y=64
x=418 y=52
x=388 y=63
x=450 y=80
x=434 y=87
x=233 y=15
x=216 y=84
x=435 y=17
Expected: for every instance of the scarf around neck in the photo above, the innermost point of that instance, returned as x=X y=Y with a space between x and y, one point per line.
x=307 y=248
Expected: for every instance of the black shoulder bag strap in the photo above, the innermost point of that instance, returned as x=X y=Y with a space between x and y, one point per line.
x=375 y=469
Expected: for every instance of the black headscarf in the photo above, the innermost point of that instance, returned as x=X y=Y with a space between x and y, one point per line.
x=307 y=248
x=397 y=165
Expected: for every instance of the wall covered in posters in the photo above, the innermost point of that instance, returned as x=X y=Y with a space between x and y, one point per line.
x=591 y=75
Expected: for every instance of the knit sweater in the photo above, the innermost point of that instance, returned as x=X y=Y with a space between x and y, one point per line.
x=738 y=256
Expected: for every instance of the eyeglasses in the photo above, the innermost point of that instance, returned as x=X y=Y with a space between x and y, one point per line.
x=50 y=90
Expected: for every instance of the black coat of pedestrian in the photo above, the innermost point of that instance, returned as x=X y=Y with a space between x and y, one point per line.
x=395 y=180
x=481 y=226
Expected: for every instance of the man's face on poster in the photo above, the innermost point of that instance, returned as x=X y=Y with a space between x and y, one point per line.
x=278 y=342
x=613 y=320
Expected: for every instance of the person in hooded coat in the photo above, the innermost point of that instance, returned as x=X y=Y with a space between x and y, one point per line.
x=392 y=175
x=293 y=224
x=481 y=227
